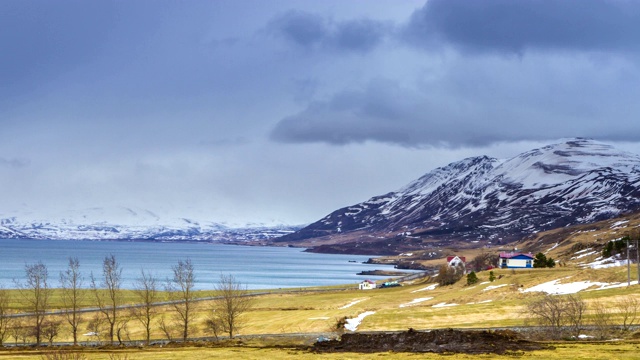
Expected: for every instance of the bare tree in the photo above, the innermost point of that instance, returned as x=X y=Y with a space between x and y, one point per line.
x=19 y=331
x=628 y=309
x=213 y=325
x=5 y=312
x=122 y=329
x=95 y=326
x=232 y=301
x=449 y=274
x=51 y=330
x=166 y=328
x=109 y=296
x=574 y=310
x=36 y=293
x=558 y=313
x=146 y=290
x=180 y=289
x=548 y=311
x=602 y=319
x=71 y=281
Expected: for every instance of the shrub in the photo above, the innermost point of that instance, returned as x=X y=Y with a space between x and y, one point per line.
x=541 y=261
x=449 y=275
x=484 y=261
x=472 y=278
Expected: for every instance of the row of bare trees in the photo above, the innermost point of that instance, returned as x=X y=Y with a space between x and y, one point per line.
x=111 y=312
x=566 y=315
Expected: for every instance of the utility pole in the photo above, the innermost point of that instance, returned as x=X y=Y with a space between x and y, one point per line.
x=628 y=265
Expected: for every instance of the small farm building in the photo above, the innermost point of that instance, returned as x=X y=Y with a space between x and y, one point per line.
x=367 y=285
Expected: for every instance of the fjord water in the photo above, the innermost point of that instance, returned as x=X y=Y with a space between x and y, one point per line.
x=256 y=267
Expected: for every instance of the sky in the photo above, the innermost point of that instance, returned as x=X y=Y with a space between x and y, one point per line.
x=251 y=111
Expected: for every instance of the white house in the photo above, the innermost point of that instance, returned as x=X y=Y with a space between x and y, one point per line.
x=367 y=285
x=514 y=260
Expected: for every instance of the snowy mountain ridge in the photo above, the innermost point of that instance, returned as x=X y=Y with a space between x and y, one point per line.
x=489 y=200
x=128 y=223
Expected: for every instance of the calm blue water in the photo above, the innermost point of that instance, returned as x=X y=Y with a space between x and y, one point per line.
x=257 y=267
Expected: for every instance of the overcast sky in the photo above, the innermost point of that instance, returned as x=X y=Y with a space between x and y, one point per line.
x=282 y=111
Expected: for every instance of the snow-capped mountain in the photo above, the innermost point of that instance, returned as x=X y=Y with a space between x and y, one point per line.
x=489 y=200
x=127 y=223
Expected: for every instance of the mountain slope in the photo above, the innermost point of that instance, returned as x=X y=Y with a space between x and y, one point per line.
x=488 y=200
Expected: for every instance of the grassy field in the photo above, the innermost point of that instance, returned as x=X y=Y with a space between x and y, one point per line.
x=486 y=304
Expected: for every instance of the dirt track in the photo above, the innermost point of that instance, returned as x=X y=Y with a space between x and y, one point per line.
x=437 y=341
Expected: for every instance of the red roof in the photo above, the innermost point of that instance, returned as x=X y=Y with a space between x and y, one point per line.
x=509 y=255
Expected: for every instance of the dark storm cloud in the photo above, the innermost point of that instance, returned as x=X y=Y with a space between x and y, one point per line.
x=312 y=31
x=463 y=114
x=515 y=26
x=577 y=69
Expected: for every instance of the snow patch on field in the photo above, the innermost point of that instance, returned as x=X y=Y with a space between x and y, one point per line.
x=351 y=304
x=416 y=301
x=443 y=304
x=480 y=302
x=430 y=287
x=494 y=287
x=605 y=263
x=555 y=288
x=352 y=324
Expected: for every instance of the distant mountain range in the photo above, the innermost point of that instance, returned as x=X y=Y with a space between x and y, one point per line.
x=126 y=223
x=483 y=200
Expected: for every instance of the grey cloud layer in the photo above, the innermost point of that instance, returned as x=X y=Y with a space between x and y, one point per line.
x=516 y=26
x=569 y=67
x=312 y=31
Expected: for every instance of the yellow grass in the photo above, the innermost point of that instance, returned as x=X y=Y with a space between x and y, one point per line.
x=500 y=303
x=571 y=350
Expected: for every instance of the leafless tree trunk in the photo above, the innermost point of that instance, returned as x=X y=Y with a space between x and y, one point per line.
x=51 y=330
x=122 y=330
x=213 y=324
x=71 y=281
x=548 y=311
x=5 y=320
x=628 y=309
x=602 y=319
x=95 y=326
x=109 y=296
x=559 y=313
x=146 y=290
x=574 y=309
x=232 y=301
x=180 y=289
x=36 y=293
x=166 y=328
x=19 y=331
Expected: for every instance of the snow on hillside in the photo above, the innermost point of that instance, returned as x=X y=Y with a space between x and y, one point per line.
x=482 y=198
